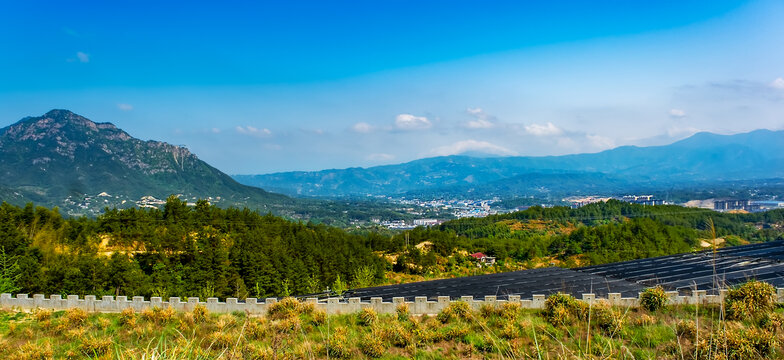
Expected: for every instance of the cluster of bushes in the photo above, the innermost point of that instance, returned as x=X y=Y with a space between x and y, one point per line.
x=565 y=328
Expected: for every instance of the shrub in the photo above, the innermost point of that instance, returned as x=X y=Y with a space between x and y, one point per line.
x=560 y=308
x=338 y=345
x=607 y=320
x=158 y=315
x=319 y=317
x=368 y=317
x=75 y=317
x=396 y=335
x=772 y=321
x=200 y=313
x=455 y=310
x=402 y=311
x=255 y=329
x=509 y=310
x=653 y=299
x=33 y=351
x=509 y=331
x=221 y=340
x=372 y=345
x=487 y=310
x=750 y=300
x=42 y=315
x=287 y=325
x=686 y=329
x=94 y=347
x=738 y=345
x=128 y=317
x=456 y=332
x=288 y=307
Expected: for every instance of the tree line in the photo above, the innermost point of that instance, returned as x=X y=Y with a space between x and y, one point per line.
x=206 y=251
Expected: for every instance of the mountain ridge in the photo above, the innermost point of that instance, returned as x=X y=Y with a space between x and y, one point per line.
x=67 y=157
x=702 y=157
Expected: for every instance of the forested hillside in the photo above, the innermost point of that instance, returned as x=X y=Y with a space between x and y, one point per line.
x=179 y=251
x=206 y=251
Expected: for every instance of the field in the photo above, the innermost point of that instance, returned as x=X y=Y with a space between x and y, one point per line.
x=748 y=326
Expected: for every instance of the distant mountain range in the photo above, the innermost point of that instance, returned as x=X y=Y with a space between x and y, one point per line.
x=703 y=158
x=63 y=159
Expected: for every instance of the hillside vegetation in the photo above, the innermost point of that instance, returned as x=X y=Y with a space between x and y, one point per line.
x=564 y=329
x=206 y=251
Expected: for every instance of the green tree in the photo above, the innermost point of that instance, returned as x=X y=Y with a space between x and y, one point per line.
x=9 y=273
x=339 y=287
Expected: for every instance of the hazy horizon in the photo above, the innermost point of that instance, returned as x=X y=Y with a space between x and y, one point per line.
x=262 y=88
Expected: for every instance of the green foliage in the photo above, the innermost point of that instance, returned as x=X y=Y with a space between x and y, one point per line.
x=560 y=309
x=368 y=317
x=339 y=287
x=653 y=299
x=182 y=250
x=9 y=273
x=363 y=277
x=455 y=310
x=750 y=300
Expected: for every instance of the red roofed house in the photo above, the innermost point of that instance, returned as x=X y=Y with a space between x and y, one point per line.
x=483 y=259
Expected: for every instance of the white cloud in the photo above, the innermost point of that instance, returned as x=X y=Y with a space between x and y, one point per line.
x=215 y=130
x=778 y=84
x=677 y=113
x=380 y=157
x=548 y=129
x=362 y=127
x=250 y=130
x=600 y=142
x=475 y=111
x=83 y=57
x=411 y=122
x=125 y=107
x=472 y=145
x=480 y=124
x=681 y=132
x=481 y=119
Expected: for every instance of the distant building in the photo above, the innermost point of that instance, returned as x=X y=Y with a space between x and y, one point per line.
x=732 y=204
x=483 y=259
x=643 y=200
x=426 y=222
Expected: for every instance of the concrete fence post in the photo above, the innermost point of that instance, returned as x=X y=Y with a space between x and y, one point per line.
x=5 y=300
x=39 y=301
x=57 y=302
x=780 y=295
x=333 y=306
x=491 y=300
x=537 y=301
x=122 y=303
x=376 y=303
x=252 y=306
x=72 y=301
x=514 y=298
x=156 y=301
x=699 y=296
x=614 y=299
x=674 y=297
x=212 y=305
x=420 y=305
x=443 y=303
x=138 y=303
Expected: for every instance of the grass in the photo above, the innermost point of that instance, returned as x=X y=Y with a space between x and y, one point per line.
x=297 y=331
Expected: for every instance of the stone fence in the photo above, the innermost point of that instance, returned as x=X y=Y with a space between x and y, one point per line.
x=420 y=305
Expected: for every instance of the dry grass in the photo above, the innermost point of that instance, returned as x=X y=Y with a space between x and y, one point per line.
x=564 y=330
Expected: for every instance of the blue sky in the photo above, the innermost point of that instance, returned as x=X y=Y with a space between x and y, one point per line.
x=256 y=87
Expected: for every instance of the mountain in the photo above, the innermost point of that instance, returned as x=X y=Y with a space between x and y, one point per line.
x=63 y=159
x=701 y=158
